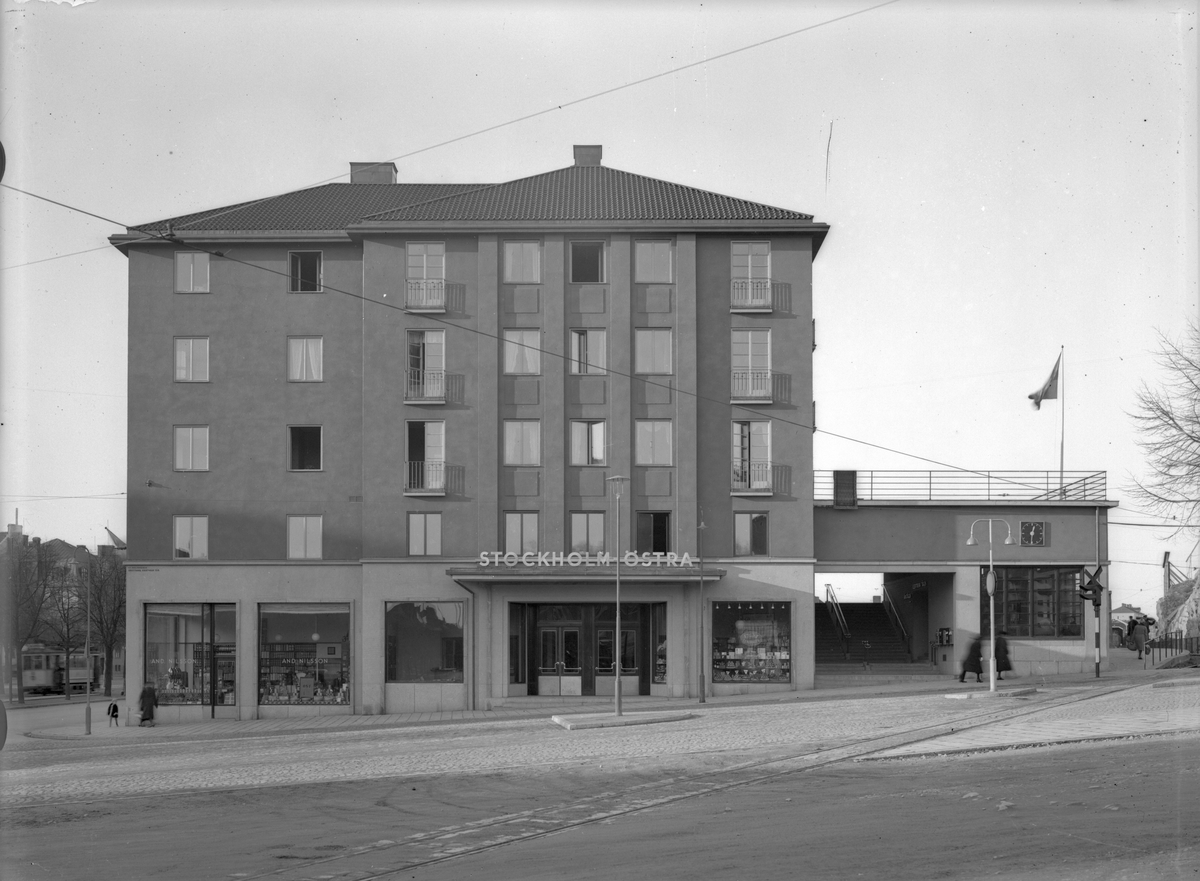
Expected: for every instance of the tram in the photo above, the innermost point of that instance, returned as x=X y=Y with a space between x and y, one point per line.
x=44 y=670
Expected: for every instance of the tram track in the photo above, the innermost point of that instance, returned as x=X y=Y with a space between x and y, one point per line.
x=468 y=839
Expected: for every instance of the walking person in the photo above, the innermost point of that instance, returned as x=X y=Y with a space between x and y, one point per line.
x=113 y=714
x=1002 y=662
x=147 y=701
x=973 y=662
x=1140 y=633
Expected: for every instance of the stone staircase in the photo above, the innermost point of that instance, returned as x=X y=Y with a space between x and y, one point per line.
x=885 y=662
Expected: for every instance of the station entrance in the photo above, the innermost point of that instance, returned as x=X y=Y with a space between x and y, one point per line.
x=561 y=649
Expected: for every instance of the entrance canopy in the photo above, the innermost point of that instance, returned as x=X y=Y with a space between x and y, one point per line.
x=525 y=574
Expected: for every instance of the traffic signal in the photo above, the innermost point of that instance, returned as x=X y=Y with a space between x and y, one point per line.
x=1091 y=588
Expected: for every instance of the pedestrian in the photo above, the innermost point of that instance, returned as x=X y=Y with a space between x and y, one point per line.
x=1002 y=661
x=147 y=701
x=1140 y=632
x=973 y=663
x=113 y=714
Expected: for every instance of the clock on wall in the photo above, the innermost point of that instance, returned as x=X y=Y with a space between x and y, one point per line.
x=1033 y=534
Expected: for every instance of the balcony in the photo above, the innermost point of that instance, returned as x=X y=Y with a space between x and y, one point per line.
x=425 y=386
x=751 y=478
x=750 y=386
x=750 y=295
x=424 y=478
x=958 y=486
x=426 y=295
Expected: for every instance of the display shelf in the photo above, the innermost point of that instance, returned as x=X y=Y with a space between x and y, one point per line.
x=772 y=663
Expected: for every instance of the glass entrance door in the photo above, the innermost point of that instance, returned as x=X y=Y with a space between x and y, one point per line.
x=559 y=668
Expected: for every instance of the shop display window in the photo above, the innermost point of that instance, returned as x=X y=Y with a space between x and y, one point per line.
x=752 y=642
x=658 y=627
x=424 y=642
x=191 y=653
x=1039 y=602
x=304 y=653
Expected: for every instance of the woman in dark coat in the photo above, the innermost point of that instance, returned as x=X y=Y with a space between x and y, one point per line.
x=147 y=701
x=1140 y=632
x=973 y=663
x=1002 y=661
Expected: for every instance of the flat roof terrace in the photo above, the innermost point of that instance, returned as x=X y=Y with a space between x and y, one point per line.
x=847 y=489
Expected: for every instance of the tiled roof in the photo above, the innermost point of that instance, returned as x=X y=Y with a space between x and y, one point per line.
x=576 y=193
x=331 y=206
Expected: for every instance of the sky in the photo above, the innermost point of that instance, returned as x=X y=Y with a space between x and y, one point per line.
x=1002 y=181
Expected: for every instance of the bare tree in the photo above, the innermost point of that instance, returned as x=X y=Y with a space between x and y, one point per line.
x=64 y=616
x=26 y=566
x=1168 y=423
x=107 y=583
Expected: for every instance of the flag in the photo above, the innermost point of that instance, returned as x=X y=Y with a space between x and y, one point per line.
x=1049 y=389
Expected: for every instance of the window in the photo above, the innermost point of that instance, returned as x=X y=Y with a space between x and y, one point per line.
x=424 y=642
x=749 y=534
x=1034 y=602
x=304 y=536
x=652 y=262
x=191 y=359
x=520 y=532
x=752 y=642
x=304 y=358
x=191 y=272
x=304 y=653
x=653 y=532
x=191 y=538
x=191 y=447
x=652 y=350
x=587 y=351
x=751 y=260
x=522 y=262
x=304 y=272
x=522 y=442
x=750 y=352
x=751 y=454
x=653 y=442
x=587 y=532
x=426 y=457
x=424 y=535
x=426 y=375
x=427 y=260
x=587 y=442
x=522 y=351
x=587 y=262
x=304 y=448
x=177 y=637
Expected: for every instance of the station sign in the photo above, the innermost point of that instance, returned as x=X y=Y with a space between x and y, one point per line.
x=576 y=559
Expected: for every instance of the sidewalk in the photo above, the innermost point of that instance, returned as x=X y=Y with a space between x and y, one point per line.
x=1126 y=670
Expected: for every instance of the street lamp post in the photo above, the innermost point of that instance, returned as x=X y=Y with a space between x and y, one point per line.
x=700 y=541
x=991 y=587
x=87 y=657
x=617 y=482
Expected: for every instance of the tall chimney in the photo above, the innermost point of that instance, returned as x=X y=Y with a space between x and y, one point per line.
x=588 y=154
x=372 y=172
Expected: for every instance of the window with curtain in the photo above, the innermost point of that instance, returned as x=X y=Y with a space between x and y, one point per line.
x=522 y=442
x=652 y=262
x=751 y=260
x=191 y=272
x=304 y=358
x=522 y=351
x=587 y=442
x=749 y=534
x=587 y=351
x=425 y=535
x=520 y=532
x=522 y=262
x=304 y=536
x=426 y=260
x=191 y=538
x=587 y=532
x=652 y=350
x=191 y=447
x=191 y=359
x=653 y=442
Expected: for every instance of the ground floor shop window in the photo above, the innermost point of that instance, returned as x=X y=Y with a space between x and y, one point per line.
x=1033 y=602
x=658 y=637
x=304 y=653
x=191 y=652
x=752 y=642
x=424 y=642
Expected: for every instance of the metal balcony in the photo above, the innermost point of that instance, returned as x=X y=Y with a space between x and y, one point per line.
x=425 y=386
x=425 y=478
x=750 y=295
x=947 y=486
x=426 y=295
x=751 y=478
x=750 y=386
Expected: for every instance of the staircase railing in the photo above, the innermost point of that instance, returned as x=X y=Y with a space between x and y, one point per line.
x=839 y=618
x=1168 y=645
x=894 y=616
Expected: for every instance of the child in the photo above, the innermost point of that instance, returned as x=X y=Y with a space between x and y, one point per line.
x=113 y=713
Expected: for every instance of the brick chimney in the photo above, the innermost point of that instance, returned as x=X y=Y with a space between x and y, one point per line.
x=372 y=172
x=588 y=154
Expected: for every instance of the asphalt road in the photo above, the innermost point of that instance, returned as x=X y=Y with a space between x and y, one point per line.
x=769 y=791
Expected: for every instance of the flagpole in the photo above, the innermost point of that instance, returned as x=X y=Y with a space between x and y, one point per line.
x=1062 y=425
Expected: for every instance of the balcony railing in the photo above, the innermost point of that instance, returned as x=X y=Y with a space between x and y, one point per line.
x=425 y=385
x=751 y=477
x=750 y=385
x=426 y=294
x=425 y=478
x=750 y=293
x=948 y=486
